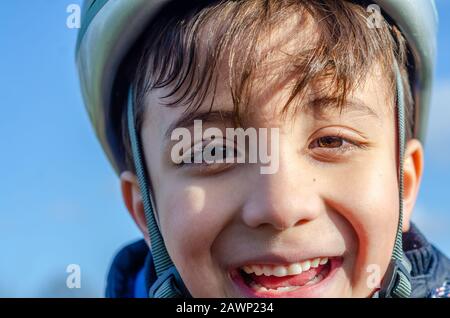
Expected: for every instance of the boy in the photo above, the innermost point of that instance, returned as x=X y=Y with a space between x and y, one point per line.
x=346 y=93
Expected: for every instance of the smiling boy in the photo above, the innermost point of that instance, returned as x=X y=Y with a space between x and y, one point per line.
x=325 y=223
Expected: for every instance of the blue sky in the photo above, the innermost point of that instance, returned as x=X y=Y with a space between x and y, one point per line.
x=59 y=200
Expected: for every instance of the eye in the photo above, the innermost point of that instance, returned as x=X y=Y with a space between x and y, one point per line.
x=334 y=147
x=212 y=153
x=330 y=142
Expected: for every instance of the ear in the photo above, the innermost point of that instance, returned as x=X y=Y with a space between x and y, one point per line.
x=132 y=198
x=413 y=169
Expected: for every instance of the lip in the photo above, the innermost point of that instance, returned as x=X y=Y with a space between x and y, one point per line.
x=310 y=291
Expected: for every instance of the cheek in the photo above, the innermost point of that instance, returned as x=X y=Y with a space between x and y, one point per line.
x=366 y=195
x=181 y=212
x=192 y=217
x=373 y=203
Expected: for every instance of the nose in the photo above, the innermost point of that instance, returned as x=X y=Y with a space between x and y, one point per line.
x=284 y=199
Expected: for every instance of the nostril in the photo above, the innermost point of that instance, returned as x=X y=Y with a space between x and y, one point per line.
x=276 y=221
x=301 y=222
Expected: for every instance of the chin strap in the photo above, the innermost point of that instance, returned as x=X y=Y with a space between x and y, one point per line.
x=397 y=280
x=168 y=283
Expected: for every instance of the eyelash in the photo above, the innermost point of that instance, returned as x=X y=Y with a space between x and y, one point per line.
x=210 y=166
x=316 y=142
x=334 y=153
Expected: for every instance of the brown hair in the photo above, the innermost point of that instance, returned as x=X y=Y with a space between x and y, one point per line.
x=185 y=44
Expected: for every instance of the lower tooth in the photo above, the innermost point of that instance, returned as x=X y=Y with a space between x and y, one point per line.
x=260 y=288
x=286 y=288
x=315 y=280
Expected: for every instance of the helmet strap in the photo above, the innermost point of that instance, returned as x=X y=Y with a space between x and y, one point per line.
x=397 y=279
x=168 y=283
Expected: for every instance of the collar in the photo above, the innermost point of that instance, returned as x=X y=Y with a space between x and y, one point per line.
x=430 y=268
x=125 y=270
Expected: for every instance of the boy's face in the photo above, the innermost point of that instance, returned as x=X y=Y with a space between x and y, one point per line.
x=333 y=197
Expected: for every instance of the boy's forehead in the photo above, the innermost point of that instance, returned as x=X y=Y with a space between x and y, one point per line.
x=370 y=98
x=271 y=80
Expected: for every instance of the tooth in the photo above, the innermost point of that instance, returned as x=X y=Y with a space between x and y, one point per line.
x=285 y=288
x=315 y=280
x=257 y=270
x=315 y=262
x=263 y=289
x=279 y=271
x=267 y=270
x=306 y=265
x=311 y=282
x=247 y=269
x=294 y=269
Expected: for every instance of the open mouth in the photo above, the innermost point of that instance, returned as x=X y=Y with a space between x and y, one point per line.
x=287 y=280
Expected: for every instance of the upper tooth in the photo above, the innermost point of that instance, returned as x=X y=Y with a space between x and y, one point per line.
x=279 y=271
x=295 y=269
x=257 y=270
x=267 y=270
x=247 y=269
x=306 y=265
x=315 y=262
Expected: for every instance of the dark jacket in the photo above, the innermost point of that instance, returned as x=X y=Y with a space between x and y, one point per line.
x=132 y=271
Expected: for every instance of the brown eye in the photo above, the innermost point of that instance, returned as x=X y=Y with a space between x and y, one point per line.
x=330 y=142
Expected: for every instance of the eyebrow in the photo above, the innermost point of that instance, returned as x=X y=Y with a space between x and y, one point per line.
x=319 y=107
x=187 y=119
